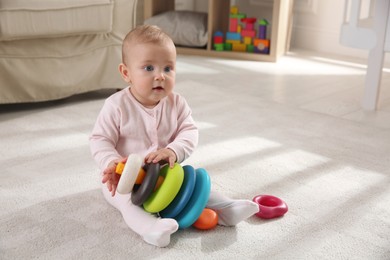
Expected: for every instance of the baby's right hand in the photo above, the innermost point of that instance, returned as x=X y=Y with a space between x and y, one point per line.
x=110 y=177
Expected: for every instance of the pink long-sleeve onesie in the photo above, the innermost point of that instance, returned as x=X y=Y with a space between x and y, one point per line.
x=124 y=126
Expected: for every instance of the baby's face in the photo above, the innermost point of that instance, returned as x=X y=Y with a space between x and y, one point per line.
x=152 y=71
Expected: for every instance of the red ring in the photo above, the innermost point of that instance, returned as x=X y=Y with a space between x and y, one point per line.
x=270 y=206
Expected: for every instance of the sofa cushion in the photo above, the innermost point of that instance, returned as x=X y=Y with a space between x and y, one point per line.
x=24 y=19
x=186 y=28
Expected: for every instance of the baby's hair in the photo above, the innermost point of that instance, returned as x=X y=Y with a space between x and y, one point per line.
x=143 y=34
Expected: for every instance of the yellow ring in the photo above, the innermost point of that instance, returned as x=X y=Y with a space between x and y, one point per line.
x=163 y=196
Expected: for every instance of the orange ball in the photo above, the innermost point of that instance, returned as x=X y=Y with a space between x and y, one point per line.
x=207 y=220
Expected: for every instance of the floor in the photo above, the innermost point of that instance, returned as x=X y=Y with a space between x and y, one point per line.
x=293 y=129
x=321 y=83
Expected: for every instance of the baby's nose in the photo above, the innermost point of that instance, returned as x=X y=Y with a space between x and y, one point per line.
x=160 y=76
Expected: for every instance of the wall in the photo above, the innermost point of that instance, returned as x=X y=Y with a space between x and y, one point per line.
x=317 y=27
x=316 y=23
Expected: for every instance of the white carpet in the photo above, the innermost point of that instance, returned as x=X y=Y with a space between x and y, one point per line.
x=260 y=133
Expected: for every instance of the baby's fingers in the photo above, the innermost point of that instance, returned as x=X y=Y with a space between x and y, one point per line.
x=171 y=162
x=113 y=187
x=157 y=158
x=150 y=158
x=105 y=178
x=109 y=170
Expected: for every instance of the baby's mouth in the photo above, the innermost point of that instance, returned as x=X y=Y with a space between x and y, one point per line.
x=158 y=88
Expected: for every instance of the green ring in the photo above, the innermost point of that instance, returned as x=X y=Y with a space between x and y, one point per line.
x=161 y=198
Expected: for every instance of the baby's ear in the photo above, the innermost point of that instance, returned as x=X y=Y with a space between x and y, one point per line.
x=123 y=70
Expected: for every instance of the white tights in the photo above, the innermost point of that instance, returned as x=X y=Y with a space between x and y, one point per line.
x=157 y=231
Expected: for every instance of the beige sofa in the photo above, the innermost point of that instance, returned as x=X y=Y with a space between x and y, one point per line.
x=51 y=49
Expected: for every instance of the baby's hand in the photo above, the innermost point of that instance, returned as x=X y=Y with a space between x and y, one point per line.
x=110 y=177
x=165 y=154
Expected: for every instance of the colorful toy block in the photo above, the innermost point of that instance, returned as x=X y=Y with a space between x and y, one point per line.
x=239 y=47
x=234 y=9
x=233 y=36
x=219 y=46
x=233 y=41
x=244 y=35
x=263 y=51
x=238 y=16
x=248 y=33
x=249 y=23
x=249 y=26
x=262 y=32
x=239 y=28
x=218 y=39
x=218 y=33
x=248 y=40
x=228 y=46
x=261 y=45
x=233 y=23
x=250 y=48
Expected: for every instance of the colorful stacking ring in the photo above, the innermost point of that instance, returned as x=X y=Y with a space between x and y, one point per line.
x=270 y=206
x=198 y=200
x=129 y=174
x=184 y=195
x=141 y=194
x=160 y=199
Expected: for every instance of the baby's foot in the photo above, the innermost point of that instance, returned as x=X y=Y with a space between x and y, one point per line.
x=159 y=234
x=235 y=211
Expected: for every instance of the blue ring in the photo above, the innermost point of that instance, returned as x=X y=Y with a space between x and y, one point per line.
x=198 y=201
x=184 y=195
x=141 y=194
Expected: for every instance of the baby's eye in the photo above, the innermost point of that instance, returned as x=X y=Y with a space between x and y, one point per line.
x=167 y=69
x=149 y=68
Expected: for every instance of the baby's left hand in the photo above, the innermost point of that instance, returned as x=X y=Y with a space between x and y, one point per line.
x=164 y=154
x=110 y=177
